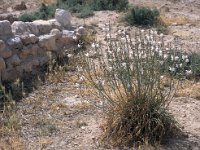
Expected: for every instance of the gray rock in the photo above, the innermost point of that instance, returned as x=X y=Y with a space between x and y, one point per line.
x=15 y=43
x=48 y=42
x=25 y=52
x=10 y=74
x=13 y=61
x=19 y=27
x=2 y=45
x=6 y=53
x=43 y=59
x=63 y=17
x=33 y=28
x=81 y=31
x=43 y=26
x=5 y=30
x=29 y=39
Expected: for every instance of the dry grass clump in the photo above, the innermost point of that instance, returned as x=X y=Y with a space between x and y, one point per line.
x=170 y=20
x=128 y=77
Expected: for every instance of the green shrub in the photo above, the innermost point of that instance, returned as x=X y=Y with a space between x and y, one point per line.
x=86 y=12
x=85 y=8
x=142 y=16
x=128 y=77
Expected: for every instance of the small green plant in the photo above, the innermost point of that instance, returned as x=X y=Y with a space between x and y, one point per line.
x=142 y=16
x=129 y=78
x=86 y=12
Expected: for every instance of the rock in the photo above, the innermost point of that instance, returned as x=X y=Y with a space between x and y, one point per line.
x=5 y=30
x=2 y=64
x=29 y=39
x=19 y=27
x=6 y=53
x=21 y=6
x=33 y=28
x=47 y=42
x=2 y=45
x=10 y=74
x=56 y=33
x=55 y=24
x=10 y=17
x=27 y=66
x=63 y=17
x=43 y=26
x=25 y=52
x=34 y=49
x=15 y=43
x=13 y=61
x=43 y=60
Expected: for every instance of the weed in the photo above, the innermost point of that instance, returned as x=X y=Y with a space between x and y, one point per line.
x=128 y=76
x=142 y=16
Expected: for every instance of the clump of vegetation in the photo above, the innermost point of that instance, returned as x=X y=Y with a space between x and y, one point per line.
x=142 y=16
x=83 y=8
x=129 y=78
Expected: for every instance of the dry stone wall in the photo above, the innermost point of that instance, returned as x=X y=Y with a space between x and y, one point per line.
x=25 y=46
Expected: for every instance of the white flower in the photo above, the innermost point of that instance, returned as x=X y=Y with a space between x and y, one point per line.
x=97 y=45
x=188 y=72
x=93 y=45
x=69 y=55
x=77 y=85
x=172 y=58
x=187 y=60
x=160 y=53
x=124 y=64
x=172 y=69
x=180 y=65
x=74 y=37
x=79 y=45
x=87 y=54
x=165 y=56
x=184 y=57
x=161 y=35
x=176 y=58
x=142 y=30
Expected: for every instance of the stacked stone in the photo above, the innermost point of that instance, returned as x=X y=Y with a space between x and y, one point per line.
x=24 y=46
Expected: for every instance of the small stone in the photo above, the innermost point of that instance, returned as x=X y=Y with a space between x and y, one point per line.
x=5 y=30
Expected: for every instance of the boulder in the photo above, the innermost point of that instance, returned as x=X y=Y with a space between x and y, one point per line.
x=48 y=42
x=56 y=33
x=5 y=30
x=63 y=17
x=15 y=43
x=43 y=26
x=13 y=61
x=29 y=39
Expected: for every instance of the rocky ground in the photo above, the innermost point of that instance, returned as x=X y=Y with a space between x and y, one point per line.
x=56 y=116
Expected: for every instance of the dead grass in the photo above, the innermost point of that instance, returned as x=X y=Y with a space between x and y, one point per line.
x=170 y=20
x=189 y=89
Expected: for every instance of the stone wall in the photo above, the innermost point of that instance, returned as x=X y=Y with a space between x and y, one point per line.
x=25 y=46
